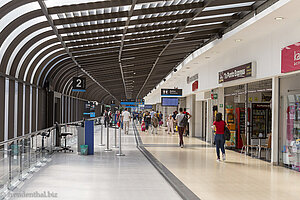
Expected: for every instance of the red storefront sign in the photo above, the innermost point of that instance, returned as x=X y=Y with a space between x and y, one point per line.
x=195 y=86
x=290 y=58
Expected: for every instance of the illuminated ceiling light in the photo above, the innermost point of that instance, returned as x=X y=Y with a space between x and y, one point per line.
x=130 y=58
x=207 y=57
x=279 y=18
x=238 y=40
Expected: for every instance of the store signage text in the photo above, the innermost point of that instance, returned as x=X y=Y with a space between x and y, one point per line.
x=171 y=92
x=290 y=58
x=236 y=73
x=190 y=79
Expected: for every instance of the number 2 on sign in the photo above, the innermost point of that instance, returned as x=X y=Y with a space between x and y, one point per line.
x=79 y=82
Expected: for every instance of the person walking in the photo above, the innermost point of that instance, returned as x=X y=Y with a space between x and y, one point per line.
x=219 y=126
x=160 y=119
x=187 y=127
x=126 y=119
x=179 y=119
x=155 y=123
x=106 y=118
x=147 y=120
x=170 y=124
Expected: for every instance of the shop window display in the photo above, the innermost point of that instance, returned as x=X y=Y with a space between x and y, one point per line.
x=291 y=140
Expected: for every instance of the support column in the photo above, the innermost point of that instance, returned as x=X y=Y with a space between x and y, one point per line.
x=246 y=119
x=209 y=122
x=275 y=121
x=16 y=109
x=6 y=106
x=193 y=113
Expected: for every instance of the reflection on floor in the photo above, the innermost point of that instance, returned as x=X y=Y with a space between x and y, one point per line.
x=240 y=177
x=102 y=176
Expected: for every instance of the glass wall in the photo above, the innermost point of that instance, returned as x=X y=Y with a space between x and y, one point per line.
x=289 y=136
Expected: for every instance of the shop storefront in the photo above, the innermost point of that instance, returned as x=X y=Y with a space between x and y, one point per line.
x=256 y=98
x=247 y=110
x=289 y=128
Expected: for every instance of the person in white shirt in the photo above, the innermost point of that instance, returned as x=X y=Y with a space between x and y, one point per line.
x=170 y=123
x=126 y=119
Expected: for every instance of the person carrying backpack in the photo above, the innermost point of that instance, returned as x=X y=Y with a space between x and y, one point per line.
x=219 y=125
x=187 y=127
x=155 y=123
x=181 y=120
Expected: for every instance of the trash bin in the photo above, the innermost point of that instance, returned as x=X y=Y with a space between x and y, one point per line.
x=83 y=149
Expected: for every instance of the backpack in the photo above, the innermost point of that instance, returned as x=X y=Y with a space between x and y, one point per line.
x=227 y=133
x=184 y=121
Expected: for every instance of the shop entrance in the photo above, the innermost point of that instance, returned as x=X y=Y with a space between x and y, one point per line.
x=253 y=100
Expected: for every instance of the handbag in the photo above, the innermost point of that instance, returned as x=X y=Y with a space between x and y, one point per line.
x=227 y=133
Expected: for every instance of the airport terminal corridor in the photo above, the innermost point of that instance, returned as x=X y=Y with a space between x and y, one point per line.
x=83 y=82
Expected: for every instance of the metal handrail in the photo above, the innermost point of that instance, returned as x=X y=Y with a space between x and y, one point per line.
x=33 y=133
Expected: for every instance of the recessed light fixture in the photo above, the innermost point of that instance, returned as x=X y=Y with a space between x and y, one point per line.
x=207 y=57
x=238 y=40
x=278 y=18
x=134 y=73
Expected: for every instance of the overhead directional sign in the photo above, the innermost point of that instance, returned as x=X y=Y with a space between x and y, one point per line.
x=129 y=103
x=79 y=84
x=171 y=92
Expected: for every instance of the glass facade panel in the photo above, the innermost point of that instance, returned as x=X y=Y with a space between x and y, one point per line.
x=290 y=138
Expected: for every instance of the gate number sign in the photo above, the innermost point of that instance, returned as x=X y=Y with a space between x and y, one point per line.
x=79 y=84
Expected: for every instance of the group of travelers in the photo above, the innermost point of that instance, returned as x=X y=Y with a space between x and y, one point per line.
x=121 y=119
x=151 y=121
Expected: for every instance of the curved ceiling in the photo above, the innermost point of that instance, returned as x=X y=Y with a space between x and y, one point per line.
x=123 y=47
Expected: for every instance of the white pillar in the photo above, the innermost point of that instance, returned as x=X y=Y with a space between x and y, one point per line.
x=193 y=113
x=209 y=133
x=6 y=107
x=16 y=109
x=275 y=116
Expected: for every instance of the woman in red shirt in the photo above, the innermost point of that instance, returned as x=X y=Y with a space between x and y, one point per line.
x=219 y=126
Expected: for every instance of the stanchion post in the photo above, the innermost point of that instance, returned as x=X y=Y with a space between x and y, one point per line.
x=120 y=145
x=115 y=146
x=107 y=140
x=101 y=135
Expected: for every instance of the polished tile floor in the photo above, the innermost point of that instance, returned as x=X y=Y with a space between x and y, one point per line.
x=240 y=177
x=102 y=176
